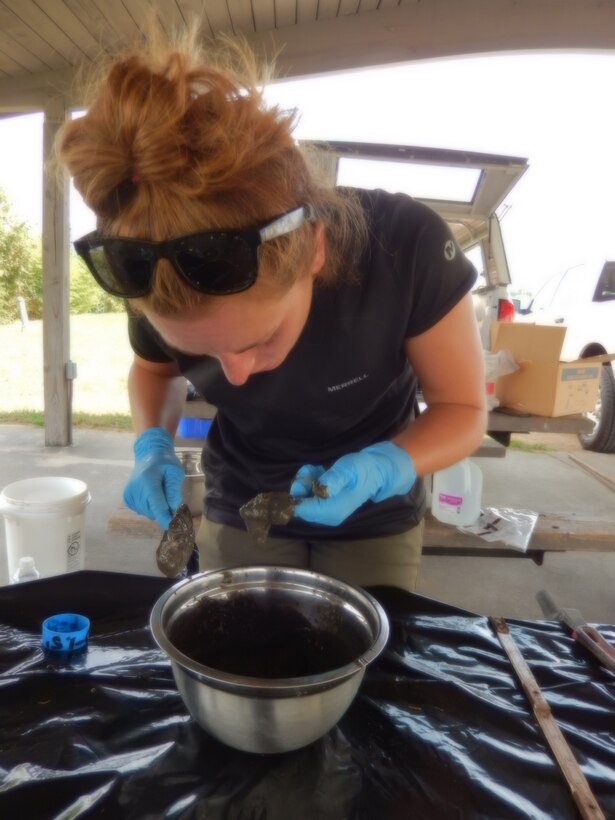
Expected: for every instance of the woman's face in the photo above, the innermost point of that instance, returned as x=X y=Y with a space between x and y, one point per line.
x=248 y=332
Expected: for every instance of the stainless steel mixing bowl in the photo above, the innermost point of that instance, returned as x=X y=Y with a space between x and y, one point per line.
x=273 y=714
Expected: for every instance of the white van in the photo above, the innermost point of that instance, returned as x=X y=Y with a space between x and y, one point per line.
x=583 y=299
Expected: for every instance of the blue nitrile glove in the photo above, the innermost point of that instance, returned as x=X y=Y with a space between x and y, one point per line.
x=375 y=473
x=154 y=488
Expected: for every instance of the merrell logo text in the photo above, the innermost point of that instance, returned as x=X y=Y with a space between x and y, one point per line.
x=349 y=383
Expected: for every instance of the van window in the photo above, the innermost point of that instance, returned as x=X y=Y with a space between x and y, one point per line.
x=605 y=290
x=421 y=181
x=575 y=287
x=544 y=297
x=475 y=255
x=565 y=289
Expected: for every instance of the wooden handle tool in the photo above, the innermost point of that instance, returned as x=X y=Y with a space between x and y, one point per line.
x=579 y=787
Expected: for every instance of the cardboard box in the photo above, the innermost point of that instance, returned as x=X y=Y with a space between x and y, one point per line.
x=544 y=385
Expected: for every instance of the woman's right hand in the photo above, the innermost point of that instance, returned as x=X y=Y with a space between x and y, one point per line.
x=154 y=488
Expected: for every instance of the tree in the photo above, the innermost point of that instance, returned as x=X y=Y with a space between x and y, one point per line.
x=21 y=274
x=86 y=295
x=20 y=266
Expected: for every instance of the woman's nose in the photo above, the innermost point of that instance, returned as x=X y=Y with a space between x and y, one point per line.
x=238 y=367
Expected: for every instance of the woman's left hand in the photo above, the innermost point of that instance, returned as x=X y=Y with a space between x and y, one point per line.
x=373 y=474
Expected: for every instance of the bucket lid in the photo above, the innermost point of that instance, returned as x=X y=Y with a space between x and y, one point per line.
x=45 y=494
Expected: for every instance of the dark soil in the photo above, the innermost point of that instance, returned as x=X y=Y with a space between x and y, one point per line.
x=263 y=636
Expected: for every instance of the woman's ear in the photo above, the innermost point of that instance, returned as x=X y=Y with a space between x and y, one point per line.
x=318 y=260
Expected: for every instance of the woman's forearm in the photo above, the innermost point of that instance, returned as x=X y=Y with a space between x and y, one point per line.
x=449 y=364
x=157 y=396
x=442 y=435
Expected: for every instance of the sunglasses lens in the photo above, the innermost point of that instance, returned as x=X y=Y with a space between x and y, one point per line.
x=222 y=263
x=123 y=268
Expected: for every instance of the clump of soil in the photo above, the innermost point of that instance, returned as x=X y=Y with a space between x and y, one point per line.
x=177 y=543
x=266 y=509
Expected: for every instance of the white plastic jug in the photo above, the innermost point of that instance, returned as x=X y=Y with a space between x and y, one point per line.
x=45 y=518
x=456 y=493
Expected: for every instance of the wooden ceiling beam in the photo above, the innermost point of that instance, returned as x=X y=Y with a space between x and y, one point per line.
x=390 y=35
x=439 y=28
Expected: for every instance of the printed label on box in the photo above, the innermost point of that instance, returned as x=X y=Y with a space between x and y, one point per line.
x=569 y=374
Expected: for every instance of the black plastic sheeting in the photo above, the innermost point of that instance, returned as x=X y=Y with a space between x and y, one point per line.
x=439 y=729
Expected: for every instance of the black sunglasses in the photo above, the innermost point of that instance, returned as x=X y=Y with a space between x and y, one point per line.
x=214 y=262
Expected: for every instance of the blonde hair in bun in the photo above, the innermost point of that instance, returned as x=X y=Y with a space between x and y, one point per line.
x=177 y=138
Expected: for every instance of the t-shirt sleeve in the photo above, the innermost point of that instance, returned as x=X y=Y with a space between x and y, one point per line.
x=144 y=340
x=435 y=274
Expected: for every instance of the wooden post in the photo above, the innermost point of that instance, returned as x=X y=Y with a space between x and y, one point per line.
x=56 y=314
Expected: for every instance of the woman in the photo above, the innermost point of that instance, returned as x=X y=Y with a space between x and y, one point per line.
x=305 y=314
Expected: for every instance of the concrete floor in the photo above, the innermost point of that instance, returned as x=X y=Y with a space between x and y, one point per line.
x=544 y=482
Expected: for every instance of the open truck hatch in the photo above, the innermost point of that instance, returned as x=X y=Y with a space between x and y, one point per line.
x=489 y=177
x=465 y=187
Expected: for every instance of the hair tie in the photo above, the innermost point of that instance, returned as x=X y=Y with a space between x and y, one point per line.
x=136 y=178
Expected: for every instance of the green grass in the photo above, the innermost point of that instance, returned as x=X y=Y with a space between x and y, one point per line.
x=103 y=421
x=98 y=345
x=516 y=444
x=93 y=421
x=34 y=417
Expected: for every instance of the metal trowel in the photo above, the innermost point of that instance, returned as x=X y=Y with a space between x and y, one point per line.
x=586 y=635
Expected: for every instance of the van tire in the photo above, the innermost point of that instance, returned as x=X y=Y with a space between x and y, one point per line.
x=602 y=437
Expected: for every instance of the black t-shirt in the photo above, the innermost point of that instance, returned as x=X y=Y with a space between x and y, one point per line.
x=345 y=384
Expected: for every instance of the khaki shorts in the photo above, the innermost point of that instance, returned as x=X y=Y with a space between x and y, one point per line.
x=392 y=560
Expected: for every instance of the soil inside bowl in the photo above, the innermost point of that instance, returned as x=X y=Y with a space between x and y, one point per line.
x=264 y=636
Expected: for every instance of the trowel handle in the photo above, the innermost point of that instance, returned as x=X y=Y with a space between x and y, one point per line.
x=593 y=640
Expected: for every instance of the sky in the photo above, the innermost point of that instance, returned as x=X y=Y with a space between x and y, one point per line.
x=553 y=109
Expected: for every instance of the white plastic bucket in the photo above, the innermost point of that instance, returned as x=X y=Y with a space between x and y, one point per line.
x=456 y=494
x=45 y=518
